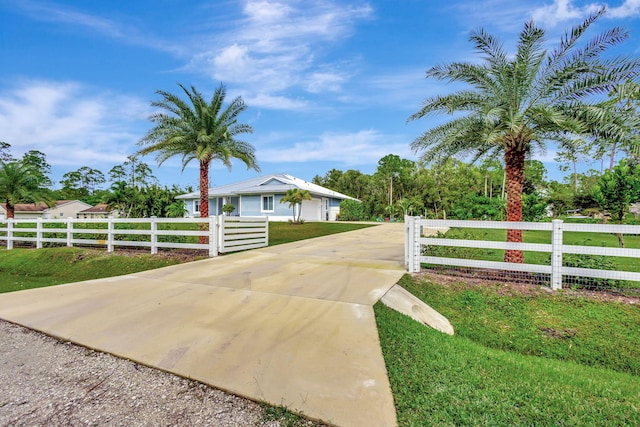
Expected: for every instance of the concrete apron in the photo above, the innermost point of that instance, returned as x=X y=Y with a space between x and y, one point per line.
x=290 y=325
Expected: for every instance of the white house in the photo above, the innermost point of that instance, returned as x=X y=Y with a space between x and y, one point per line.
x=61 y=209
x=261 y=197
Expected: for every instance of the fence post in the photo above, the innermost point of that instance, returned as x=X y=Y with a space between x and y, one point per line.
x=213 y=236
x=556 y=254
x=9 y=233
x=154 y=235
x=417 y=246
x=39 y=233
x=408 y=244
x=220 y=230
x=110 y=234
x=69 y=232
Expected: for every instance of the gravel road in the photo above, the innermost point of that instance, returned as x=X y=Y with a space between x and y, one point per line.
x=47 y=382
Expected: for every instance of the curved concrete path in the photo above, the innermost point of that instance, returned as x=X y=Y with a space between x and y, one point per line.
x=291 y=325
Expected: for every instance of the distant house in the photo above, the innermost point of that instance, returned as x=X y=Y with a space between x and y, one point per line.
x=261 y=197
x=98 y=211
x=61 y=209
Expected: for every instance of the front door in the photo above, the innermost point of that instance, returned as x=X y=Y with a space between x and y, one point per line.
x=324 y=214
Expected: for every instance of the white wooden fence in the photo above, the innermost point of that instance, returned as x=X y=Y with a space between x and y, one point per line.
x=225 y=234
x=416 y=230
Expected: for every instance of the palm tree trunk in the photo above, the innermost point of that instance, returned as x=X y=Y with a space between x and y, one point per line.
x=204 y=198
x=514 y=168
x=10 y=210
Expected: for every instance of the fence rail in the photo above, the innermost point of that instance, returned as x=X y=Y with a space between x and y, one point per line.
x=224 y=234
x=417 y=233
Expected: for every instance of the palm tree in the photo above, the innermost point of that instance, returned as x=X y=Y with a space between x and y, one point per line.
x=295 y=197
x=519 y=102
x=201 y=131
x=20 y=183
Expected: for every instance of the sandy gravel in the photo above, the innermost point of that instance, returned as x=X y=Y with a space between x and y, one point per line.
x=46 y=382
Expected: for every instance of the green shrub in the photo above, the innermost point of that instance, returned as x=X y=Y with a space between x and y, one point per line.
x=597 y=262
x=351 y=210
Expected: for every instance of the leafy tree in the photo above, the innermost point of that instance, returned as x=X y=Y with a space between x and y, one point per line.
x=617 y=189
x=573 y=150
x=295 y=197
x=393 y=173
x=330 y=180
x=560 y=197
x=518 y=102
x=124 y=198
x=622 y=104
x=201 y=131
x=472 y=206
x=20 y=182
x=134 y=172
x=534 y=180
x=534 y=208
x=37 y=161
x=5 y=156
x=82 y=182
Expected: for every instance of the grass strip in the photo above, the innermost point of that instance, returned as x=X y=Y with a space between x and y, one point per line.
x=451 y=380
x=33 y=268
x=528 y=320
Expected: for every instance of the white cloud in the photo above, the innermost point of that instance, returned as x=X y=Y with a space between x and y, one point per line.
x=356 y=148
x=277 y=46
x=274 y=102
x=68 y=123
x=565 y=10
x=627 y=9
x=63 y=14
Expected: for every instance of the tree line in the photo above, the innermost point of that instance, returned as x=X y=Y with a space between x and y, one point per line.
x=459 y=190
x=134 y=191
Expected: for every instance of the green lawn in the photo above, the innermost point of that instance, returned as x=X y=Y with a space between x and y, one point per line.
x=35 y=268
x=586 y=368
x=282 y=232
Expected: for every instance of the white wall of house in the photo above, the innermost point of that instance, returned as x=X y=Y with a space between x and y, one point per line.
x=67 y=210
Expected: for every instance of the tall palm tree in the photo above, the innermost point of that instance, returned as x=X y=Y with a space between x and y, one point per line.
x=199 y=131
x=519 y=102
x=20 y=183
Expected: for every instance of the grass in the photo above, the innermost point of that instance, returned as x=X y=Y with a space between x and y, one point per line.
x=30 y=268
x=282 y=232
x=504 y=366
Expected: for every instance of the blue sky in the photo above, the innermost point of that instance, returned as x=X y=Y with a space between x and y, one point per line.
x=329 y=84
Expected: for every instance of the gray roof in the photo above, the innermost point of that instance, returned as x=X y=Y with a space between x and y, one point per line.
x=268 y=184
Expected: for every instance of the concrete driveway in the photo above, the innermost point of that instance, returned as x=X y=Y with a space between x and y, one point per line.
x=290 y=325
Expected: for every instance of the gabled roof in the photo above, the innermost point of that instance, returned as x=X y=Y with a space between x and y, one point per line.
x=99 y=208
x=40 y=206
x=268 y=184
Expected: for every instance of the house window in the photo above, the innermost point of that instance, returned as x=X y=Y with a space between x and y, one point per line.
x=267 y=203
x=196 y=206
